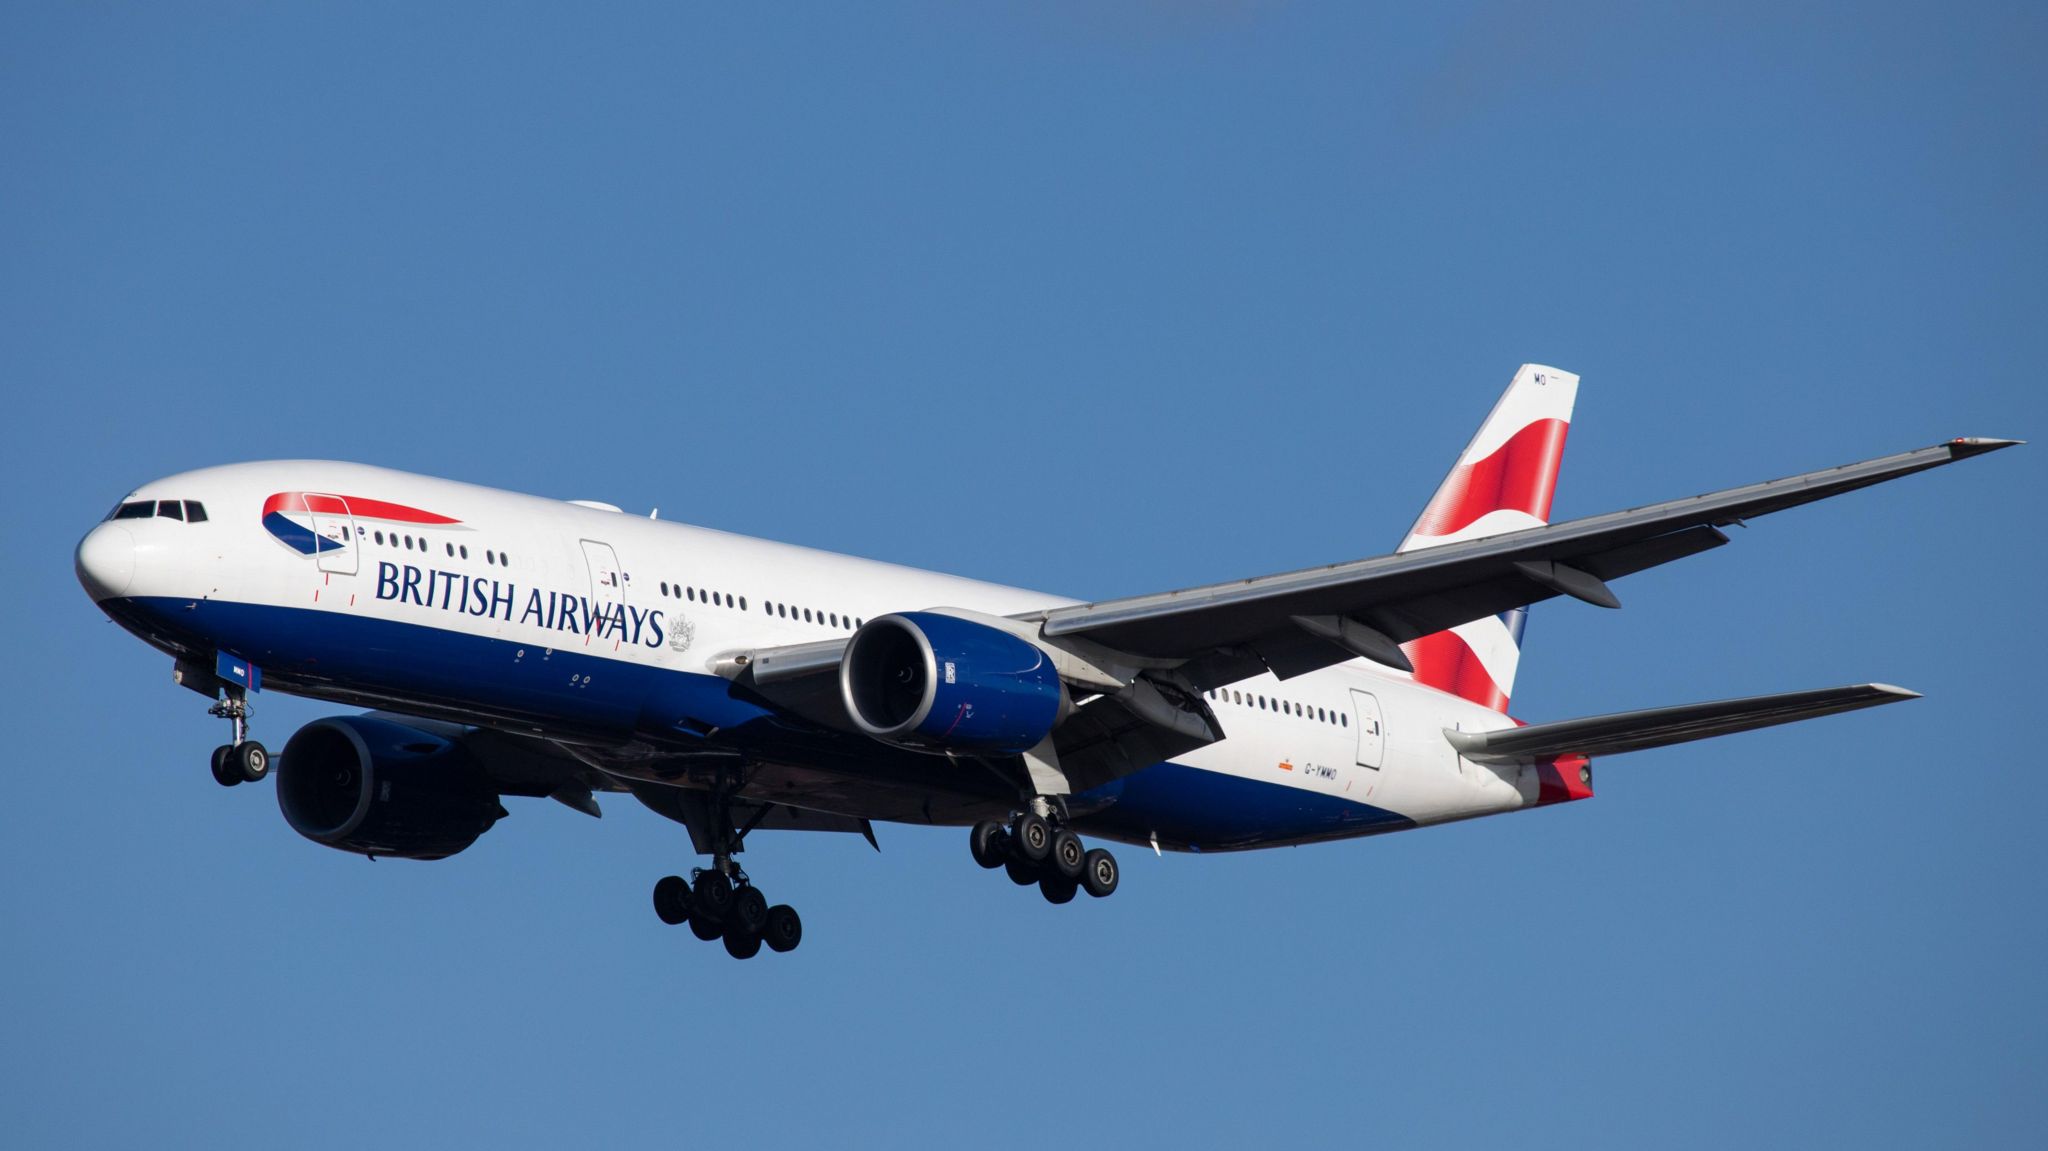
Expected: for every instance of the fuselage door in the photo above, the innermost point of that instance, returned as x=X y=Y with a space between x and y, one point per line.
x=1372 y=738
x=607 y=582
x=335 y=541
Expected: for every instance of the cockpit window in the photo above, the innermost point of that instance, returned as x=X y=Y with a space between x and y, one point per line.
x=136 y=510
x=195 y=512
x=170 y=509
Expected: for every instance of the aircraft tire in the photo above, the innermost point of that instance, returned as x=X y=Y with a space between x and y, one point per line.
x=1021 y=873
x=1067 y=855
x=1031 y=838
x=749 y=912
x=711 y=897
x=742 y=944
x=1100 y=873
x=224 y=772
x=252 y=760
x=989 y=842
x=1058 y=888
x=784 y=930
x=672 y=899
x=705 y=929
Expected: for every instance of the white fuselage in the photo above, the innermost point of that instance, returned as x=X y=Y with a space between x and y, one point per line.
x=505 y=615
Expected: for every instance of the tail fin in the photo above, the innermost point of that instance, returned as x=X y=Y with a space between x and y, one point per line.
x=1502 y=483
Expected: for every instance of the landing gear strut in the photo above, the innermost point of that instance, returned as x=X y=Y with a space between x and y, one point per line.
x=721 y=902
x=243 y=760
x=1032 y=850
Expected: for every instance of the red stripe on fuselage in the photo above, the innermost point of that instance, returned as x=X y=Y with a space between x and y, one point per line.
x=351 y=505
x=1520 y=474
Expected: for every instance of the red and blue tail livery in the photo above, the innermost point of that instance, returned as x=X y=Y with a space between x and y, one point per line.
x=313 y=522
x=1503 y=482
x=515 y=646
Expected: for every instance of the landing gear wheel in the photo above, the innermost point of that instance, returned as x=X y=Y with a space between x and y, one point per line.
x=705 y=929
x=749 y=914
x=1031 y=837
x=990 y=843
x=1067 y=854
x=251 y=760
x=1099 y=873
x=712 y=896
x=1021 y=873
x=224 y=771
x=1058 y=888
x=742 y=945
x=672 y=899
x=783 y=930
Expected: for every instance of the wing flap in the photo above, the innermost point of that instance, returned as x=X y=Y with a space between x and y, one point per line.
x=1663 y=726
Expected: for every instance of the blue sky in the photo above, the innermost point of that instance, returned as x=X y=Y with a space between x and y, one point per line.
x=1096 y=298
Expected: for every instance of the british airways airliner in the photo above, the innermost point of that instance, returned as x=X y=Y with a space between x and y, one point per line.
x=512 y=645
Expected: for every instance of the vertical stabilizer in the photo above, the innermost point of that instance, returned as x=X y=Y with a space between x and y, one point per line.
x=1503 y=482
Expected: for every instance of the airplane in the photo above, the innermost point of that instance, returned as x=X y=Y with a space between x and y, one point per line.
x=512 y=645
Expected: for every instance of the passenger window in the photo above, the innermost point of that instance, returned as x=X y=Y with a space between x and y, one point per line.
x=490 y=557
x=1344 y=719
x=139 y=510
x=464 y=550
x=195 y=512
x=743 y=603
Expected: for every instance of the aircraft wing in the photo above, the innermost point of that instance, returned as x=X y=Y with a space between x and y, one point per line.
x=1296 y=622
x=1663 y=726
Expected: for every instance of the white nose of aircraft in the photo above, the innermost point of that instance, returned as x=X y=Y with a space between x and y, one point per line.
x=105 y=561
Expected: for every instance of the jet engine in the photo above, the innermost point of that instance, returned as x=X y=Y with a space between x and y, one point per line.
x=941 y=684
x=379 y=788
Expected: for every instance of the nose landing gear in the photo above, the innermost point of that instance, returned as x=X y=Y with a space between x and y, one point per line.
x=243 y=760
x=1030 y=850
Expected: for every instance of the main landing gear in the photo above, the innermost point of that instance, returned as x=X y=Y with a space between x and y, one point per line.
x=243 y=760
x=729 y=907
x=720 y=902
x=1032 y=850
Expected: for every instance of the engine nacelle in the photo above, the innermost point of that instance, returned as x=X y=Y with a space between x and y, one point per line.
x=941 y=684
x=380 y=788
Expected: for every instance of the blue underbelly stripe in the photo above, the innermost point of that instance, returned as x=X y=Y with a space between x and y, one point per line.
x=328 y=653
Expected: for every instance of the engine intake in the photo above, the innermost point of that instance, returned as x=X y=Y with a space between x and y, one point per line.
x=380 y=788
x=937 y=683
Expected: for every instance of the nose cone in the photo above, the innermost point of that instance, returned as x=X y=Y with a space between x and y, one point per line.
x=106 y=561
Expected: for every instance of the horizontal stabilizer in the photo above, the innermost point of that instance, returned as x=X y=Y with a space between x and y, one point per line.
x=1662 y=726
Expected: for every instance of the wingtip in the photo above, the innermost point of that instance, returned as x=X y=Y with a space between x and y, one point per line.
x=1894 y=690
x=1963 y=447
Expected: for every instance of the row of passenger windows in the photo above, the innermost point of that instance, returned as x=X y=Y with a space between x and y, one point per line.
x=778 y=610
x=419 y=543
x=1283 y=706
x=191 y=511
